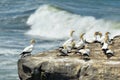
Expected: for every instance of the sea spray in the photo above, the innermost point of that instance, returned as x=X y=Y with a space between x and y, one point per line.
x=51 y=22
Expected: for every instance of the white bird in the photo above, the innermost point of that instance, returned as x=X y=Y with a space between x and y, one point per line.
x=97 y=36
x=109 y=53
x=105 y=45
x=81 y=42
x=70 y=42
x=64 y=51
x=107 y=37
x=28 y=50
x=85 y=52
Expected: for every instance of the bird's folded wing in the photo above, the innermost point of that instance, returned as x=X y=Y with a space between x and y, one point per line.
x=28 y=49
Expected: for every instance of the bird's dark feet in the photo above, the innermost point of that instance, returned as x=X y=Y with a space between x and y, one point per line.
x=63 y=54
x=25 y=55
x=86 y=57
x=96 y=41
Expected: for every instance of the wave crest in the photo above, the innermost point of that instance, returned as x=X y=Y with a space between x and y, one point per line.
x=52 y=22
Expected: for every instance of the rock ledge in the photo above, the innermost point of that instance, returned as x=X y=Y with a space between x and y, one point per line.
x=50 y=66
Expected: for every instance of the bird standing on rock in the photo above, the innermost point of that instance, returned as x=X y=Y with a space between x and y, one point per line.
x=81 y=42
x=107 y=37
x=97 y=36
x=105 y=45
x=85 y=53
x=109 y=53
x=27 y=51
x=70 y=43
x=64 y=51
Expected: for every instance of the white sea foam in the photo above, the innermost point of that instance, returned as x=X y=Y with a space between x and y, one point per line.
x=8 y=52
x=51 y=22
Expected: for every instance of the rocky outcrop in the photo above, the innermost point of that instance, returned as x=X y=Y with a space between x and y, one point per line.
x=50 y=65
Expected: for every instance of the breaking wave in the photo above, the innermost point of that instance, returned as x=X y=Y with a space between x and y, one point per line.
x=52 y=22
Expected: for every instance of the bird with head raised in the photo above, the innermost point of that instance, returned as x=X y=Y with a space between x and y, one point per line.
x=82 y=36
x=81 y=43
x=70 y=41
x=27 y=51
x=71 y=33
x=107 y=33
x=107 y=37
x=97 y=36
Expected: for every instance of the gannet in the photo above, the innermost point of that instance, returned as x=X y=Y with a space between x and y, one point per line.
x=109 y=53
x=85 y=52
x=105 y=45
x=28 y=50
x=64 y=50
x=70 y=43
x=70 y=39
x=97 y=36
x=81 y=42
x=107 y=37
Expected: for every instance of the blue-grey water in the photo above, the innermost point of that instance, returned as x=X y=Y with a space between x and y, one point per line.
x=48 y=21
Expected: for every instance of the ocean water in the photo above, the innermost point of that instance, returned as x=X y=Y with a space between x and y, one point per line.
x=49 y=22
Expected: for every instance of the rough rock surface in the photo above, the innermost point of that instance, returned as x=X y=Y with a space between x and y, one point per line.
x=50 y=66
